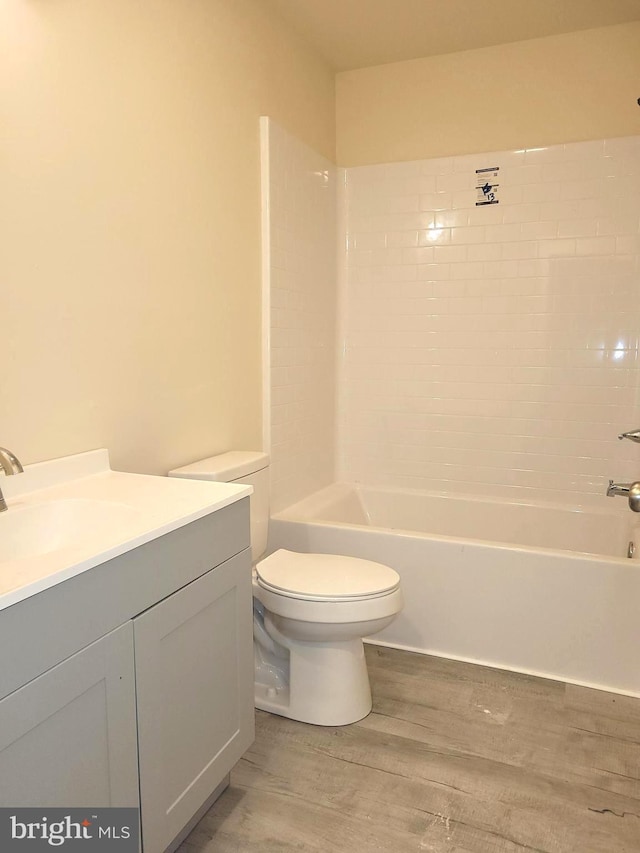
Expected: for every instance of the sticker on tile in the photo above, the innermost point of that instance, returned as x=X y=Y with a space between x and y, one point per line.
x=487 y=186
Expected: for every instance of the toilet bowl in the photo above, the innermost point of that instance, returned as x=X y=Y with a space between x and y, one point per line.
x=310 y=612
x=317 y=608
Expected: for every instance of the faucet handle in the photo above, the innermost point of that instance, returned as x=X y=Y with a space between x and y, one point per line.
x=632 y=435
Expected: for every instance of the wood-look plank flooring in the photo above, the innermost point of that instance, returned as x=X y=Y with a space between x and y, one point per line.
x=453 y=758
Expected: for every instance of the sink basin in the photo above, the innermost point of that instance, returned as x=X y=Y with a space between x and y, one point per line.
x=41 y=528
x=69 y=515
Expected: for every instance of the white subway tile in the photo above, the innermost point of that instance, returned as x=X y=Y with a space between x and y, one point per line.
x=577 y=228
x=303 y=314
x=520 y=249
x=401 y=204
x=434 y=272
x=434 y=201
x=596 y=246
x=426 y=184
x=450 y=254
x=516 y=349
x=467 y=270
x=434 y=236
x=559 y=248
x=456 y=182
x=511 y=194
x=363 y=241
x=469 y=234
x=591 y=150
x=421 y=255
x=486 y=251
x=618 y=225
x=401 y=239
x=522 y=213
x=389 y=256
x=623 y=145
x=503 y=233
x=584 y=189
x=463 y=199
x=532 y=193
x=488 y=214
x=519 y=175
x=628 y=245
x=451 y=218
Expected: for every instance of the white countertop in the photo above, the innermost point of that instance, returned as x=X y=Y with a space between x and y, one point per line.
x=100 y=514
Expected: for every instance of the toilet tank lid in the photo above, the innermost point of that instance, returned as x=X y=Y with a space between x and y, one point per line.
x=225 y=467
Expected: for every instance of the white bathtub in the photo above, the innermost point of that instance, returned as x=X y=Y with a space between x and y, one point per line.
x=537 y=588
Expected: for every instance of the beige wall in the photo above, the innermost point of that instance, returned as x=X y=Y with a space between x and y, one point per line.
x=130 y=221
x=564 y=88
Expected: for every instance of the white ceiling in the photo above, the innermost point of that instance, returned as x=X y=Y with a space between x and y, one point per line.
x=360 y=33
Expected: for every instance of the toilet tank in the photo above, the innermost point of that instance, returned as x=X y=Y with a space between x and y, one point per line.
x=239 y=466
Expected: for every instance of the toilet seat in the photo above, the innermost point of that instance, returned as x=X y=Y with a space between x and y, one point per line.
x=325 y=577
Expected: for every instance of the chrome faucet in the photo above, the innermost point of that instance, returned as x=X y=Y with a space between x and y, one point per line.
x=626 y=490
x=632 y=435
x=10 y=464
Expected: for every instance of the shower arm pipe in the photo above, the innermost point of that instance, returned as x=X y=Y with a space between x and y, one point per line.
x=632 y=435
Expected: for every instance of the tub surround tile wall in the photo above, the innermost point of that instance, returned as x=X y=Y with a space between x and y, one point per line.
x=494 y=348
x=302 y=249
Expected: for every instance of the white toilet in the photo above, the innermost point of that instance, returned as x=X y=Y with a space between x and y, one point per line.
x=310 y=611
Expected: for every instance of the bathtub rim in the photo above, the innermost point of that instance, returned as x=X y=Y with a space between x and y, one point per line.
x=482 y=543
x=589 y=505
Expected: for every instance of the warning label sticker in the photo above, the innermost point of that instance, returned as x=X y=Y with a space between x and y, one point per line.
x=487 y=186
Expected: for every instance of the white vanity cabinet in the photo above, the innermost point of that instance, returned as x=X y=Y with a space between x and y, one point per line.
x=132 y=682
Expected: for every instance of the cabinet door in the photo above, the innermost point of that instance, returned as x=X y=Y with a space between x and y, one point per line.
x=194 y=676
x=68 y=738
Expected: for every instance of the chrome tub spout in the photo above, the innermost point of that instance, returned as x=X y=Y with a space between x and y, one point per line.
x=626 y=490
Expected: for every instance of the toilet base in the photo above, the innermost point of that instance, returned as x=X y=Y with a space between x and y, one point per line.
x=328 y=684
